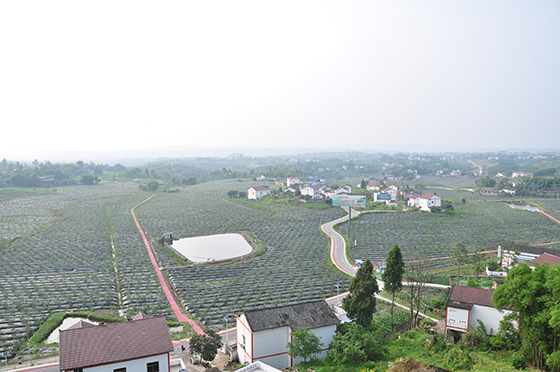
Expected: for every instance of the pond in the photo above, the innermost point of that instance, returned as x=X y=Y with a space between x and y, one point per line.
x=524 y=207
x=212 y=247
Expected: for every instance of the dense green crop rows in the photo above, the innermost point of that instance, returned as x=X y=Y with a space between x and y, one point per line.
x=476 y=224
x=70 y=264
x=294 y=269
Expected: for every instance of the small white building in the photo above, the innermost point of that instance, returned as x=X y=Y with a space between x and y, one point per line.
x=310 y=190
x=373 y=186
x=426 y=201
x=467 y=305
x=391 y=191
x=262 y=335
x=142 y=344
x=256 y=192
x=292 y=181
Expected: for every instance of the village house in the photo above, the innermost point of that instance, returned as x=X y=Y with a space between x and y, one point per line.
x=381 y=197
x=391 y=191
x=487 y=191
x=427 y=201
x=373 y=186
x=141 y=344
x=513 y=254
x=256 y=192
x=545 y=258
x=467 y=305
x=291 y=181
x=414 y=200
x=262 y=335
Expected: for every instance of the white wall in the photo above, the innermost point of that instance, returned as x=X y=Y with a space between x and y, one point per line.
x=245 y=355
x=326 y=335
x=269 y=343
x=134 y=365
x=490 y=316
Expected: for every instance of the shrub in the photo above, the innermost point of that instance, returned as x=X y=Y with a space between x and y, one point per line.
x=517 y=361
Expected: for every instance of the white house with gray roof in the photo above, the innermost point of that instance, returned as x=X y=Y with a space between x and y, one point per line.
x=262 y=335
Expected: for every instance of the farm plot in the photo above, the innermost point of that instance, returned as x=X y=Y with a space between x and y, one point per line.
x=479 y=224
x=70 y=264
x=295 y=268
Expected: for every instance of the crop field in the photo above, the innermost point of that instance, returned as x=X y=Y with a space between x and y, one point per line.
x=295 y=268
x=69 y=264
x=477 y=224
x=79 y=249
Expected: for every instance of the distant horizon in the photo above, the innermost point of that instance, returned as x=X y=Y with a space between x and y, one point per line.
x=178 y=152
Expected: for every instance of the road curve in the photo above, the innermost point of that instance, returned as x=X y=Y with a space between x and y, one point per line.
x=338 y=246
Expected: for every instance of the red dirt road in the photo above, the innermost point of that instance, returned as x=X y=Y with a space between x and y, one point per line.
x=180 y=316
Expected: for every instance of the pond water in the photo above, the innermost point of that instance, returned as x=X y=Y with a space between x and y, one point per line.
x=66 y=323
x=524 y=207
x=212 y=247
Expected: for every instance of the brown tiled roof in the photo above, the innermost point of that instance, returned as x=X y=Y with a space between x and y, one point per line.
x=309 y=315
x=110 y=343
x=465 y=297
x=427 y=196
x=81 y=324
x=550 y=259
x=259 y=188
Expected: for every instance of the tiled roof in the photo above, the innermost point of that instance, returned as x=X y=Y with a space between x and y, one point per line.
x=259 y=188
x=530 y=249
x=465 y=297
x=110 y=343
x=551 y=260
x=309 y=315
x=81 y=324
x=427 y=196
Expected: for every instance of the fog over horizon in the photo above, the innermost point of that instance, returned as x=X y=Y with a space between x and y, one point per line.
x=120 y=80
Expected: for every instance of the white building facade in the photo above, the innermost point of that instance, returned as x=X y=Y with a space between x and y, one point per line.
x=262 y=335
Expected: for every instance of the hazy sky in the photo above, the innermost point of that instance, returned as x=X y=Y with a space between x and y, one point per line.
x=116 y=76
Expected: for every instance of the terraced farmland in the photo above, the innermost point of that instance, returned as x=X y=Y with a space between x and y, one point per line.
x=295 y=268
x=477 y=224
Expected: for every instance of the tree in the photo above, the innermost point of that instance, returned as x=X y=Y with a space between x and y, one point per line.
x=232 y=194
x=393 y=276
x=354 y=344
x=206 y=345
x=363 y=184
x=534 y=294
x=304 y=344
x=360 y=303
x=460 y=256
x=88 y=179
x=416 y=277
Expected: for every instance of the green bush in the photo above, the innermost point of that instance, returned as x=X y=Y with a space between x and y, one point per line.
x=517 y=361
x=47 y=328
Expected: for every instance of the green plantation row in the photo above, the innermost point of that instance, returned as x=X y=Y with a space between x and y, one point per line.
x=477 y=224
x=79 y=249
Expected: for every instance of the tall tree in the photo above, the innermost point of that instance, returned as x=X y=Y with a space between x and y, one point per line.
x=416 y=277
x=304 y=344
x=535 y=294
x=460 y=256
x=393 y=276
x=360 y=303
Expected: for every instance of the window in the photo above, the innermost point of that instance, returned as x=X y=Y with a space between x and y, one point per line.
x=120 y=370
x=78 y=370
x=153 y=367
x=243 y=343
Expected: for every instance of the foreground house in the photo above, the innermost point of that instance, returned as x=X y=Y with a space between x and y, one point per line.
x=262 y=335
x=141 y=344
x=467 y=305
x=257 y=192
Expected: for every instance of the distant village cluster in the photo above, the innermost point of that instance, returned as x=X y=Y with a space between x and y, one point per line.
x=318 y=189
